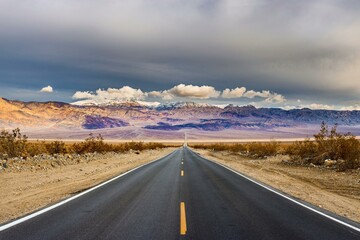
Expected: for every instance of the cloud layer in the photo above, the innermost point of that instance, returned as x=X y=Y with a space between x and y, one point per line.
x=183 y=92
x=178 y=92
x=302 y=49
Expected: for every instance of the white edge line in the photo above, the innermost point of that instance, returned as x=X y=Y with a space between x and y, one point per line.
x=32 y=215
x=288 y=198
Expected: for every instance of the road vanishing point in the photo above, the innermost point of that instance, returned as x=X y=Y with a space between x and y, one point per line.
x=181 y=196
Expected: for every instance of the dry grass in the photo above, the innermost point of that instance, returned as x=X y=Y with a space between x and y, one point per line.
x=254 y=150
x=341 y=150
x=14 y=144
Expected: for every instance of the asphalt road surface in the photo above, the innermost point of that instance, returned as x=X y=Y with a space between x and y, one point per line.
x=181 y=196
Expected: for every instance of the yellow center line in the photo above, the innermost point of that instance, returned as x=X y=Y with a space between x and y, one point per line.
x=183 y=227
x=182 y=173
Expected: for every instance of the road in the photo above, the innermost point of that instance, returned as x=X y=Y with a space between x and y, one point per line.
x=181 y=196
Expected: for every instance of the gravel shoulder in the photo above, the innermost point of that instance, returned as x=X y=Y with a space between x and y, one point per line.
x=28 y=185
x=338 y=192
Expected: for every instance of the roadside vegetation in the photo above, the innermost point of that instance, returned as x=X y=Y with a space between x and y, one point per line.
x=253 y=150
x=330 y=148
x=13 y=144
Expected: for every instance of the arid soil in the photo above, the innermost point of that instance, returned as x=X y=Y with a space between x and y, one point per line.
x=338 y=192
x=27 y=185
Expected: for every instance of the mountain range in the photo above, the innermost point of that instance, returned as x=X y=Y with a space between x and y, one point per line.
x=141 y=120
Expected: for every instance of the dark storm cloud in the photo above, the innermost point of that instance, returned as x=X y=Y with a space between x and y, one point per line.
x=299 y=49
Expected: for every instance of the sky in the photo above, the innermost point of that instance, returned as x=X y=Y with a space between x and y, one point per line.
x=271 y=53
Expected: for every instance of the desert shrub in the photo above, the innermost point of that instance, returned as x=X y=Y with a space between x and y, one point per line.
x=120 y=147
x=252 y=149
x=199 y=146
x=90 y=145
x=13 y=144
x=136 y=146
x=263 y=149
x=237 y=148
x=56 y=147
x=97 y=144
x=217 y=147
x=153 y=145
x=36 y=148
x=221 y=147
x=302 y=151
x=328 y=144
x=349 y=151
x=271 y=148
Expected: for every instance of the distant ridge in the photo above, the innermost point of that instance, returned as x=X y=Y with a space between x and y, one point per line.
x=137 y=117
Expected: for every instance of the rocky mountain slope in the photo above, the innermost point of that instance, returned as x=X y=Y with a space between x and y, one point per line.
x=173 y=117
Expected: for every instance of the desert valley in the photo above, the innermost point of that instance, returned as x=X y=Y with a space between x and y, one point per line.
x=132 y=120
x=173 y=119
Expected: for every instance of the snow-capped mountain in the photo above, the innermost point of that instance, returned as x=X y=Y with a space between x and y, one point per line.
x=177 y=105
x=128 y=119
x=126 y=103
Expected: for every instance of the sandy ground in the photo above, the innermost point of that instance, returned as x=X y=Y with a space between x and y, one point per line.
x=136 y=133
x=27 y=186
x=337 y=192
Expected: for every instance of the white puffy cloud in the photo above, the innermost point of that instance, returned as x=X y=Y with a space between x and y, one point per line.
x=233 y=93
x=206 y=92
x=111 y=94
x=187 y=91
x=180 y=91
x=262 y=94
x=125 y=92
x=176 y=92
x=47 y=89
x=270 y=97
x=192 y=91
x=83 y=95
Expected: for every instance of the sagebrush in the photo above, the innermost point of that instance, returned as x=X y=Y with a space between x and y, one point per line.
x=14 y=144
x=259 y=150
x=328 y=144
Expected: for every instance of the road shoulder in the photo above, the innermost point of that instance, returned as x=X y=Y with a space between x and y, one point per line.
x=337 y=192
x=27 y=189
